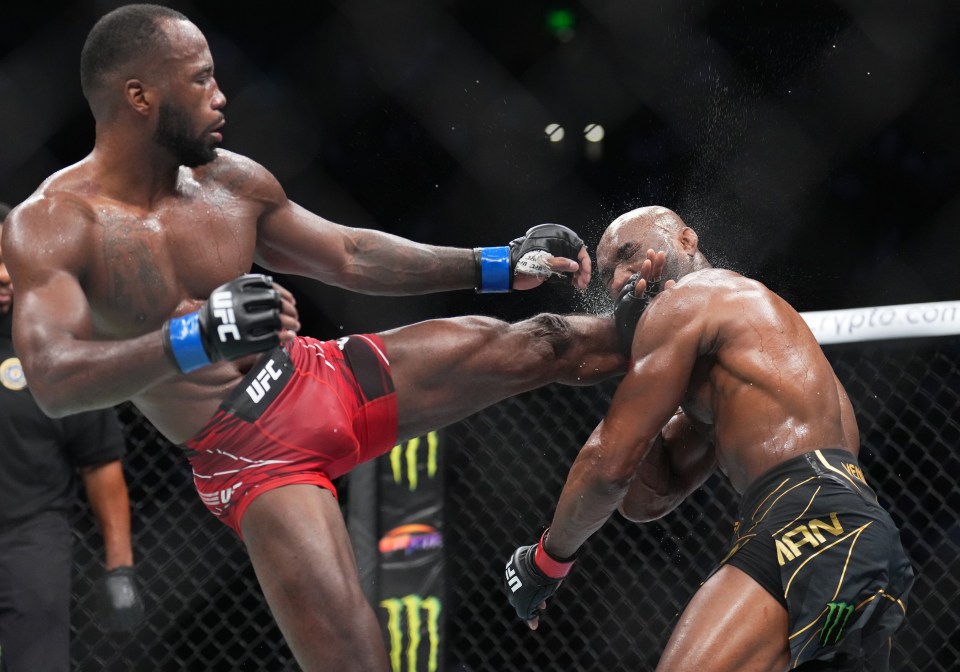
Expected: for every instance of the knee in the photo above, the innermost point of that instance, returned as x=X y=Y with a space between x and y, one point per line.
x=549 y=333
x=315 y=603
x=543 y=339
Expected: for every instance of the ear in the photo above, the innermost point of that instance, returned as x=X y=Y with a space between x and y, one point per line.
x=136 y=96
x=689 y=240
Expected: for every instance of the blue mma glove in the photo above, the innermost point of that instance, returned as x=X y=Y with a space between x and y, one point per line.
x=496 y=266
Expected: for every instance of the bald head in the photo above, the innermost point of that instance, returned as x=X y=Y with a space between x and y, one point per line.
x=623 y=246
x=647 y=223
x=120 y=45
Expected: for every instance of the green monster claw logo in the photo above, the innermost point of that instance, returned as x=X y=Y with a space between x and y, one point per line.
x=408 y=453
x=837 y=616
x=414 y=608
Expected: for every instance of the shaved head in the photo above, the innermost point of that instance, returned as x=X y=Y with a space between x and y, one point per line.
x=648 y=223
x=626 y=240
x=120 y=43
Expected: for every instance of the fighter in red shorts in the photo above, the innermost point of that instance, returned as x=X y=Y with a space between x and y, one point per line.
x=130 y=266
x=308 y=412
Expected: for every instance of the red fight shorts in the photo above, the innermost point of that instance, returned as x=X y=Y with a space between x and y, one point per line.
x=307 y=412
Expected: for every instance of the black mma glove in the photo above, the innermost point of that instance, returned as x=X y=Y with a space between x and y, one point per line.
x=531 y=576
x=496 y=266
x=242 y=317
x=629 y=307
x=119 y=603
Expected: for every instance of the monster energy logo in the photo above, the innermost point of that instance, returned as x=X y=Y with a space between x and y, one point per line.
x=406 y=455
x=411 y=609
x=837 y=617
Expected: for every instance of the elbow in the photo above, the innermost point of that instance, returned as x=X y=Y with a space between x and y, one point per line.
x=644 y=502
x=52 y=396
x=53 y=405
x=610 y=484
x=609 y=473
x=582 y=350
x=60 y=373
x=646 y=510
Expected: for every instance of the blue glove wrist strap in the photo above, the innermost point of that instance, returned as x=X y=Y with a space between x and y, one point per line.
x=494 y=269
x=186 y=343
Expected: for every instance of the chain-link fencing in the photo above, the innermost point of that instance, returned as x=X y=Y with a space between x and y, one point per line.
x=788 y=134
x=632 y=581
x=505 y=470
x=204 y=608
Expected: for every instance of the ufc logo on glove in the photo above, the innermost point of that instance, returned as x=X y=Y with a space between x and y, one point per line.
x=512 y=579
x=223 y=310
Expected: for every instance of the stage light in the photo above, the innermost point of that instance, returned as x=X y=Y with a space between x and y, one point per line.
x=561 y=22
x=593 y=132
x=554 y=132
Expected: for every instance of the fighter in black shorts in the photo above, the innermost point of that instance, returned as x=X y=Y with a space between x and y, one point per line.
x=726 y=374
x=812 y=533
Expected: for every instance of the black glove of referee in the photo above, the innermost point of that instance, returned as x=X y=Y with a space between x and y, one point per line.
x=119 y=603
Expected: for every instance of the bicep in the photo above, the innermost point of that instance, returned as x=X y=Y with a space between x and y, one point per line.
x=50 y=302
x=291 y=239
x=50 y=309
x=651 y=391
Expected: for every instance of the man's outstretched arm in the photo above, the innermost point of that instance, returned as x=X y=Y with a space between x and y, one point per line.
x=293 y=240
x=665 y=351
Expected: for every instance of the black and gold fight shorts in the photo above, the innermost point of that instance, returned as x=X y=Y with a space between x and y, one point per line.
x=812 y=533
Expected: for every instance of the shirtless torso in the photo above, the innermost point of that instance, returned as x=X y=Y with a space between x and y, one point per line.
x=760 y=387
x=137 y=265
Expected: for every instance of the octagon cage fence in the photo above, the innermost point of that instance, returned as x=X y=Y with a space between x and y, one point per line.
x=502 y=471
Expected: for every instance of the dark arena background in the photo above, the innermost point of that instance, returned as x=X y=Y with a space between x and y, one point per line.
x=813 y=145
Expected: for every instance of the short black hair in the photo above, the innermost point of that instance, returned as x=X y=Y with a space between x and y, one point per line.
x=118 y=38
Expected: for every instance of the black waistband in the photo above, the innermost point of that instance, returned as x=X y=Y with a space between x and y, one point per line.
x=262 y=384
x=835 y=464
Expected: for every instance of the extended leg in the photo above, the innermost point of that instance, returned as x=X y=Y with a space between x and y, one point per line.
x=445 y=370
x=302 y=556
x=731 y=625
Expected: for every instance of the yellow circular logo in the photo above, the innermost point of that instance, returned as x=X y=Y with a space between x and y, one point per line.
x=11 y=374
